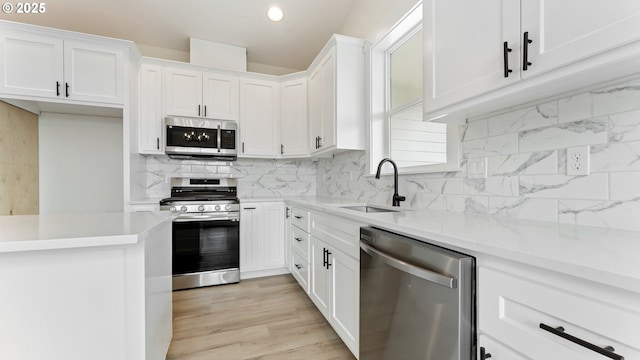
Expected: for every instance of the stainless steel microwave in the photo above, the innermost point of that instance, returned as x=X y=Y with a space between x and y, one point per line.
x=198 y=138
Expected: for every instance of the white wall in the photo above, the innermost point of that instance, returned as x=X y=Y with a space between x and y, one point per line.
x=81 y=163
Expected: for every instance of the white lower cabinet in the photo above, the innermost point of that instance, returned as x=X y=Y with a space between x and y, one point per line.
x=489 y=348
x=261 y=239
x=546 y=316
x=335 y=274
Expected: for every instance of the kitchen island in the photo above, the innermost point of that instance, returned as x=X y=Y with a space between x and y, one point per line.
x=85 y=286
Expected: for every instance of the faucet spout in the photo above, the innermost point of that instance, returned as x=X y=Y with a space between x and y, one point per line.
x=396 y=198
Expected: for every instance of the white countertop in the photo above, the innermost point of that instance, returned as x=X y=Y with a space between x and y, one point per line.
x=63 y=231
x=601 y=255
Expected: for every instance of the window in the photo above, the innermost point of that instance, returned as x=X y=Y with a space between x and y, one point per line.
x=397 y=128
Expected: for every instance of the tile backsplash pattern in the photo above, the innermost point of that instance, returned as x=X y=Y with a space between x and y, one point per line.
x=256 y=177
x=526 y=161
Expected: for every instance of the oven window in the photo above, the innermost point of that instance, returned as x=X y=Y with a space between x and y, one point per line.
x=205 y=246
x=192 y=137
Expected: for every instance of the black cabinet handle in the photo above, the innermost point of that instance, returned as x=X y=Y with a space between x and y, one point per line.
x=57 y=88
x=243 y=147
x=298 y=217
x=205 y=111
x=483 y=354
x=288 y=213
x=324 y=257
x=298 y=239
x=66 y=89
x=505 y=55
x=298 y=266
x=249 y=208
x=281 y=149
x=607 y=351
x=525 y=51
x=158 y=143
x=198 y=110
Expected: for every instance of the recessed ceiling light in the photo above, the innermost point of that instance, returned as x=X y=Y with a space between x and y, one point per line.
x=275 y=13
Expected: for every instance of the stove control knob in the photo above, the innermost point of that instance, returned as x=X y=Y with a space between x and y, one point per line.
x=201 y=208
x=227 y=207
x=217 y=207
x=183 y=209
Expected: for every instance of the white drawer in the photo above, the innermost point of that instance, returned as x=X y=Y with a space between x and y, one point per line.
x=300 y=270
x=300 y=218
x=300 y=241
x=512 y=310
x=496 y=351
x=342 y=234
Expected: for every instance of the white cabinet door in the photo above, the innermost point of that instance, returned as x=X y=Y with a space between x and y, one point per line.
x=345 y=279
x=496 y=351
x=182 y=92
x=293 y=118
x=563 y=32
x=328 y=100
x=464 y=48
x=273 y=232
x=315 y=109
x=220 y=96
x=261 y=236
x=94 y=72
x=31 y=64
x=150 y=121
x=320 y=289
x=259 y=118
x=250 y=237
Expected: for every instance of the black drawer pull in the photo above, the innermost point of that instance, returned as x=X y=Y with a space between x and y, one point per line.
x=484 y=355
x=57 y=88
x=297 y=217
x=298 y=266
x=298 y=239
x=505 y=55
x=249 y=208
x=525 y=51
x=607 y=351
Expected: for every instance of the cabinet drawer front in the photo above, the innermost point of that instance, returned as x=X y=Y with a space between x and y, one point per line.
x=344 y=235
x=300 y=270
x=300 y=242
x=496 y=350
x=512 y=309
x=300 y=218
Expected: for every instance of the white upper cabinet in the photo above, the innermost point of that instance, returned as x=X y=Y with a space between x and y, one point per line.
x=465 y=57
x=563 y=32
x=483 y=57
x=220 y=96
x=182 y=92
x=150 y=119
x=259 y=118
x=336 y=97
x=200 y=94
x=43 y=66
x=293 y=118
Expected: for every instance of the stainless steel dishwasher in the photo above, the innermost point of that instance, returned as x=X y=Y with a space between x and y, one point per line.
x=417 y=300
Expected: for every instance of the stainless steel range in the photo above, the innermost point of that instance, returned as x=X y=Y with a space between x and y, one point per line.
x=206 y=233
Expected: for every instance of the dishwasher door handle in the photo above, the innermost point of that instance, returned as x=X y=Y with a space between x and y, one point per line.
x=425 y=274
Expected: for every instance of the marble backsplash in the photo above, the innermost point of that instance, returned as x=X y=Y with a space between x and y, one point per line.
x=526 y=158
x=257 y=178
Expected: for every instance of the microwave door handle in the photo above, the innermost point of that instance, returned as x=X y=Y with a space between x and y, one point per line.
x=219 y=137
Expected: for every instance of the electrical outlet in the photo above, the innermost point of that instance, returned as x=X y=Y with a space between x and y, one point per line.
x=578 y=160
x=477 y=168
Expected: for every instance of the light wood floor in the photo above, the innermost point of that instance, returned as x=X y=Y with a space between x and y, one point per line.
x=267 y=318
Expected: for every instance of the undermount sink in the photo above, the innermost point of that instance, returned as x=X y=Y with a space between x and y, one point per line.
x=369 y=209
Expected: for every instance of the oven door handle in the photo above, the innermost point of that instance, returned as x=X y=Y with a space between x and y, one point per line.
x=424 y=274
x=183 y=218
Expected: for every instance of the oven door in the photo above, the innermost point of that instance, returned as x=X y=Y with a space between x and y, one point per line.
x=204 y=243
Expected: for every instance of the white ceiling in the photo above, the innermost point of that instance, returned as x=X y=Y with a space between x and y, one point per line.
x=165 y=26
